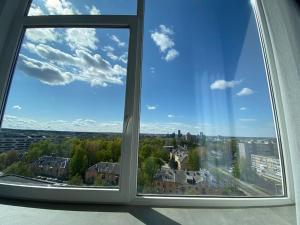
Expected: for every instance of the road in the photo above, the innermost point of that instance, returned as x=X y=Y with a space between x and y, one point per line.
x=249 y=189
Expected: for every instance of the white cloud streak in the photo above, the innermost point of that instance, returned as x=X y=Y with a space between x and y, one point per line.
x=223 y=84
x=245 y=92
x=243 y=108
x=82 y=125
x=151 y=107
x=17 y=107
x=117 y=41
x=94 y=11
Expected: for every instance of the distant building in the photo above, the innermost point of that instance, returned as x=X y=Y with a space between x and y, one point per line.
x=108 y=173
x=170 y=181
x=268 y=167
x=51 y=166
x=179 y=134
x=242 y=151
x=181 y=157
x=263 y=148
x=21 y=142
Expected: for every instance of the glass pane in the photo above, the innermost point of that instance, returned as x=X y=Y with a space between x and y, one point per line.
x=86 y=7
x=63 y=120
x=208 y=128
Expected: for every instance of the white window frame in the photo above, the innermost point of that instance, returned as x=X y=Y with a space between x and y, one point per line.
x=14 y=26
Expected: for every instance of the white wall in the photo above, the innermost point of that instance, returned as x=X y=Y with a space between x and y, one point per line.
x=283 y=19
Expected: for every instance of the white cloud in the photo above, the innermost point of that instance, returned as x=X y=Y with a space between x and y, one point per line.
x=63 y=68
x=152 y=70
x=223 y=84
x=60 y=7
x=162 y=38
x=124 y=57
x=112 y=56
x=42 y=35
x=166 y=30
x=163 y=41
x=167 y=128
x=90 y=125
x=45 y=72
x=95 y=11
x=81 y=38
x=243 y=108
x=17 y=107
x=172 y=54
x=245 y=91
x=108 y=48
x=247 y=120
x=117 y=41
x=82 y=125
x=171 y=116
x=151 y=107
x=35 y=10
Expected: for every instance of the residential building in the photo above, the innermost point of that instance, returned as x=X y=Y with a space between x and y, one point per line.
x=51 y=166
x=106 y=172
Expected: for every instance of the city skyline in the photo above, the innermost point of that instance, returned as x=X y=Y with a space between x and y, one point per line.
x=73 y=79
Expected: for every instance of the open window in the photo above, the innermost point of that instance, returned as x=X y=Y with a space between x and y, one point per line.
x=78 y=126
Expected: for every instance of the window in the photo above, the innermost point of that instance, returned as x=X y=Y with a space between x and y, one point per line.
x=77 y=125
x=66 y=82
x=208 y=127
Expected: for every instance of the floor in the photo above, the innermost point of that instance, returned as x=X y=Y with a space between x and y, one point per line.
x=28 y=213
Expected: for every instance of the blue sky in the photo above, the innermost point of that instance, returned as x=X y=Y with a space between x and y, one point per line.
x=203 y=71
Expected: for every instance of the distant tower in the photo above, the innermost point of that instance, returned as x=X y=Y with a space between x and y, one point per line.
x=179 y=133
x=201 y=135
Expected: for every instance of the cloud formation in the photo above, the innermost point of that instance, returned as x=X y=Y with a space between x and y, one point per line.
x=93 y=10
x=91 y=125
x=223 y=84
x=80 y=124
x=171 y=115
x=162 y=39
x=42 y=35
x=151 y=107
x=63 y=68
x=35 y=10
x=115 y=39
x=245 y=91
x=81 y=38
x=60 y=7
x=172 y=54
x=17 y=107
x=243 y=108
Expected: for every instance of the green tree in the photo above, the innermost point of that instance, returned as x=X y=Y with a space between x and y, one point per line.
x=11 y=157
x=78 y=162
x=150 y=168
x=174 y=143
x=76 y=180
x=3 y=160
x=194 y=159
x=19 y=168
x=39 y=149
x=235 y=158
